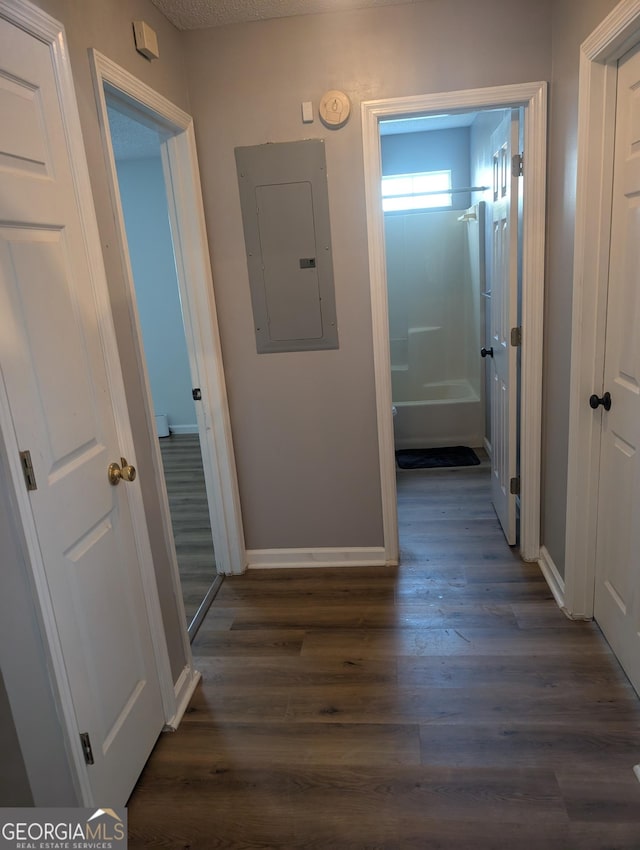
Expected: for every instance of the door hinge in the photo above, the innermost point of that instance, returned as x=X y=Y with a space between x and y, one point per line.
x=516 y=337
x=517 y=165
x=514 y=486
x=27 y=470
x=86 y=747
x=196 y=392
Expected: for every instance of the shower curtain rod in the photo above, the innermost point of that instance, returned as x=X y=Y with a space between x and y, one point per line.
x=441 y=192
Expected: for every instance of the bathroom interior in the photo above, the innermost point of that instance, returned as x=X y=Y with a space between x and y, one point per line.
x=437 y=193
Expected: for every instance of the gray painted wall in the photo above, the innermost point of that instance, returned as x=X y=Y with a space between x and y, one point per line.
x=304 y=425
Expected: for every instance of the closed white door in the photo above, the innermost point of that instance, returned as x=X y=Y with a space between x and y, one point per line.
x=52 y=364
x=504 y=314
x=617 y=593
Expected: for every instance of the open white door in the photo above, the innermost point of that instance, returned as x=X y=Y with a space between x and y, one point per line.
x=57 y=374
x=193 y=269
x=504 y=313
x=617 y=593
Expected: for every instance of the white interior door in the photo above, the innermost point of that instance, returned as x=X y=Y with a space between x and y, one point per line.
x=617 y=593
x=56 y=382
x=504 y=313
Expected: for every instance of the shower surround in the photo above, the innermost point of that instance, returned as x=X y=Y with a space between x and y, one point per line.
x=435 y=274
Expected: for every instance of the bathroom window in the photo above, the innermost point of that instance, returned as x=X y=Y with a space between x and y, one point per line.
x=421 y=191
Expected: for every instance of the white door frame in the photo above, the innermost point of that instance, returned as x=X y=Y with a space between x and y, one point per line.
x=533 y=97
x=37 y=23
x=193 y=268
x=599 y=55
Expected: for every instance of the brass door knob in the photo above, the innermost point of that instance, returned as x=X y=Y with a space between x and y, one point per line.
x=122 y=471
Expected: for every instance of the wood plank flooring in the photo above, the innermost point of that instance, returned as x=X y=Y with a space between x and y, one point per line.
x=184 y=477
x=443 y=704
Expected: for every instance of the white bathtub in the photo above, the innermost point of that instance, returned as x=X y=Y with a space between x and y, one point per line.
x=447 y=413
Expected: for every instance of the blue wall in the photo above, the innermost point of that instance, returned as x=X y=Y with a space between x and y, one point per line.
x=146 y=216
x=433 y=150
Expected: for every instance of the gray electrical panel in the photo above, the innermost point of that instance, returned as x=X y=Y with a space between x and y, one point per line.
x=285 y=214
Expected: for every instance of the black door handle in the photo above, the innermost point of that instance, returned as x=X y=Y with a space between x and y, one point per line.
x=485 y=351
x=605 y=401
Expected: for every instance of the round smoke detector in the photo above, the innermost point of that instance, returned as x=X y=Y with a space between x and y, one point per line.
x=334 y=109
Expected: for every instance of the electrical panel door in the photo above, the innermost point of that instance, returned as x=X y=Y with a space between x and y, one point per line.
x=285 y=213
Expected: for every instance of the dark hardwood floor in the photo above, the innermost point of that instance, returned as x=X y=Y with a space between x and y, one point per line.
x=184 y=477
x=444 y=704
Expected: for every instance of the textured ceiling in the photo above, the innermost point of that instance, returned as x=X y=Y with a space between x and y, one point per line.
x=200 y=14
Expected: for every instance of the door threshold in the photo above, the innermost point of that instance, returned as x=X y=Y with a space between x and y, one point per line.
x=202 y=611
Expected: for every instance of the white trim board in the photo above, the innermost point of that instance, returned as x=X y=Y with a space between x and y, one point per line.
x=552 y=576
x=261 y=559
x=193 y=269
x=599 y=56
x=183 y=429
x=185 y=687
x=533 y=98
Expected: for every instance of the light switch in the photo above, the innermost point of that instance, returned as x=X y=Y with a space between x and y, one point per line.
x=307 y=112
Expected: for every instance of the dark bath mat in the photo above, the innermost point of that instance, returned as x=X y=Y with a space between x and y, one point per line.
x=436 y=458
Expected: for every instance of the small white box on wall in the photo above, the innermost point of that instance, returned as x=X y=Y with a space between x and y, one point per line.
x=146 y=40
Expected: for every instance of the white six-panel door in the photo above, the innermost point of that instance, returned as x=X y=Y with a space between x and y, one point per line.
x=617 y=594
x=55 y=377
x=504 y=313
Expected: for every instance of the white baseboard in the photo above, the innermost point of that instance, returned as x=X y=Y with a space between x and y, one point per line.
x=183 y=429
x=487 y=446
x=552 y=577
x=260 y=559
x=184 y=688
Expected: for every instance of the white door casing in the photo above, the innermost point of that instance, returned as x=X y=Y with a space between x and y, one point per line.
x=193 y=269
x=599 y=56
x=533 y=98
x=617 y=590
x=503 y=317
x=59 y=388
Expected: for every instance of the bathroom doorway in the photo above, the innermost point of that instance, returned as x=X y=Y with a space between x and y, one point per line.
x=460 y=383
x=451 y=243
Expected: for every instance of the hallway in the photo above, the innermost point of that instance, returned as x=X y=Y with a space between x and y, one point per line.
x=445 y=704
